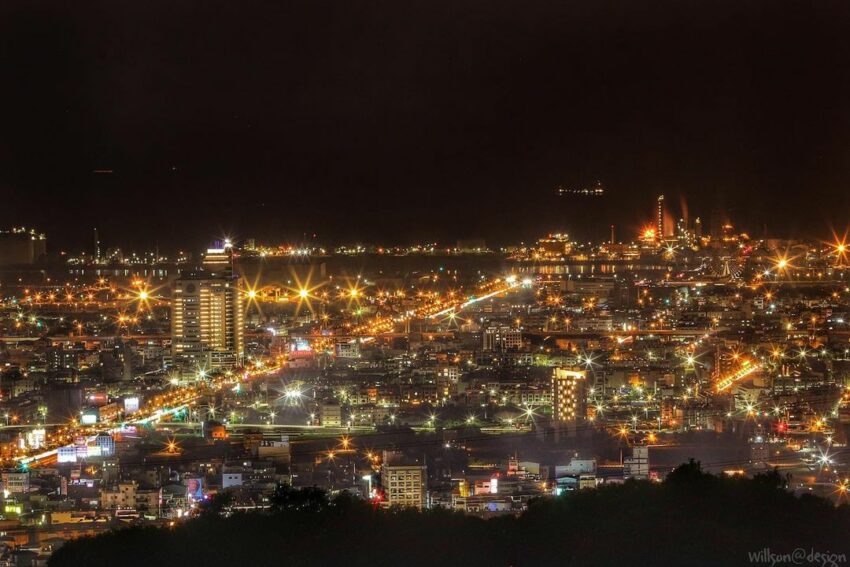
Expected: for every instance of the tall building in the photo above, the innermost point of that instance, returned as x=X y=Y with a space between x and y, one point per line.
x=568 y=397
x=218 y=260
x=96 y=247
x=405 y=483
x=207 y=320
x=659 y=229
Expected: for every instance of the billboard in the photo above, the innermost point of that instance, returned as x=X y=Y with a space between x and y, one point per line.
x=36 y=438
x=195 y=488
x=131 y=405
x=300 y=348
x=67 y=454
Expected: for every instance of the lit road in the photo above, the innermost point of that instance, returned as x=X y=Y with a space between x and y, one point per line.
x=161 y=407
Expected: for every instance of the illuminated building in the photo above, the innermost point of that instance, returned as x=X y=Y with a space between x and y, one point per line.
x=20 y=246
x=106 y=444
x=405 y=484
x=659 y=220
x=649 y=237
x=96 y=247
x=121 y=496
x=595 y=191
x=348 y=349
x=60 y=359
x=16 y=482
x=554 y=246
x=568 y=403
x=330 y=414
x=637 y=466
x=446 y=381
x=685 y=235
x=218 y=260
x=501 y=338
x=207 y=321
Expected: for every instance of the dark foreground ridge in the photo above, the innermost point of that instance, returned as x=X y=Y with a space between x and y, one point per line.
x=692 y=518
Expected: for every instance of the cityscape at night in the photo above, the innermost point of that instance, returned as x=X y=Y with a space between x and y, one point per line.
x=507 y=284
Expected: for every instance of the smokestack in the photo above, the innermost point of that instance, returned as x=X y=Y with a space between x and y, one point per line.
x=659 y=217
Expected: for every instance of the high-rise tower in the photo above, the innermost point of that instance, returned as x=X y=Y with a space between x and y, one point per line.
x=659 y=230
x=207 y=318
x=568 y=396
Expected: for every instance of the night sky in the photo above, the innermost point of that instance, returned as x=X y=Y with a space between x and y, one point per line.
x=400 y=120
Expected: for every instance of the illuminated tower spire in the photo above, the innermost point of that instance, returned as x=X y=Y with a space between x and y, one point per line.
x=660 y=219
x=96 y=246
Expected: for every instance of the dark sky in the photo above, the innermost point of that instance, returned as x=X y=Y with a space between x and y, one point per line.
x=398 y=120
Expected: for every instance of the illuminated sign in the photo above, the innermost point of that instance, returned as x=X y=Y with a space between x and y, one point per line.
x=98 y=398
x=67 y=454
x=195 y=488
x=131 y=405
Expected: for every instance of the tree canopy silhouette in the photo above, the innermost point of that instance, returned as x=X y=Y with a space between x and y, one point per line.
x=692 y=518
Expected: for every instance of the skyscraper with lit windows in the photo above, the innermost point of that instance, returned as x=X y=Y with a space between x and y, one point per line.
x=207 y=319
x=568 y=396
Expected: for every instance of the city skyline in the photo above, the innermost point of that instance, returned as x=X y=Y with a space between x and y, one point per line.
x=360 y=122
x=666 y=219
x=424 y=282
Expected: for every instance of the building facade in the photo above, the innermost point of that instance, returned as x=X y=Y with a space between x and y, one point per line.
x=501 y=338
x=405 y=484
x=568 y=395
x=207 y=321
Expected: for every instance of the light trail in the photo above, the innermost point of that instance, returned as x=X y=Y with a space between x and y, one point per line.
x=511 y=284
x=435 y=308
x=184 y=402
x=157 y=415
